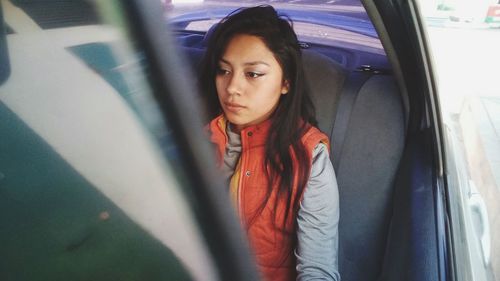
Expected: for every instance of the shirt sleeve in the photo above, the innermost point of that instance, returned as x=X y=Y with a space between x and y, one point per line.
x=317 y=222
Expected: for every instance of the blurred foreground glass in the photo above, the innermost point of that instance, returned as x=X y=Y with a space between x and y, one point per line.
x=86 y=192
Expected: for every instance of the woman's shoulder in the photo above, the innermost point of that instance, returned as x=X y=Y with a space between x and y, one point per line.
x=216 y=124
x=313 y=136
x=216 y=129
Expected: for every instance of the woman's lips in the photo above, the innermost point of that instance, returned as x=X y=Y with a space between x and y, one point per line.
x=233 y=107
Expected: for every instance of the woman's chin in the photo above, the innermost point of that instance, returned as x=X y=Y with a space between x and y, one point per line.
x=234 y=118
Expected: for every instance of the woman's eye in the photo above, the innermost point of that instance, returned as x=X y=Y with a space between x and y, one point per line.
x=221 y=71
x=254 y=74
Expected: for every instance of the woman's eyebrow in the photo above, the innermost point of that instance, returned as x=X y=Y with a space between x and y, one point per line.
x=224 y=61
x=256 y=62
x=251 y=63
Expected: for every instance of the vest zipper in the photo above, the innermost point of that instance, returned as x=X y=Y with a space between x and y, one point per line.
x=240 y=211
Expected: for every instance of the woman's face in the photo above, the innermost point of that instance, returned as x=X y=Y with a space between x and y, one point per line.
x=249 y=81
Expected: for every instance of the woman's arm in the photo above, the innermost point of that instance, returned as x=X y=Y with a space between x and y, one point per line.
x=317 y=220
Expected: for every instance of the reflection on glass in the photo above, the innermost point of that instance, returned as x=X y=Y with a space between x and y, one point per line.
x=85 y=193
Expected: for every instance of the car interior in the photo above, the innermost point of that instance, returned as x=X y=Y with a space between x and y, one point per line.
x=380 y=148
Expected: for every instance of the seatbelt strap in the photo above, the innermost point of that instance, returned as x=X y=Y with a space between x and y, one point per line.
x=344 y=109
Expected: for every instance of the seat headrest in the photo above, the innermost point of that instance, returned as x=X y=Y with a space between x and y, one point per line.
x=325 y=78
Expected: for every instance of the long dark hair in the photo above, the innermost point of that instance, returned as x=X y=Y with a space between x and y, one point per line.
x=295 y=111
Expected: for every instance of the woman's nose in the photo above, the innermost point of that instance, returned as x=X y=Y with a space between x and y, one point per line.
x=234 y=84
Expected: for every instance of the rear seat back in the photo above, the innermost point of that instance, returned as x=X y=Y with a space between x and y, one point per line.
x=366 y=157
x=366 y=170
x=325 y=79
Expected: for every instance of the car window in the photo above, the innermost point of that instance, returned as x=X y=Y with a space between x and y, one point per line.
x=92 y=185
x=345 y=24
x=464 y=38
x=316 y=33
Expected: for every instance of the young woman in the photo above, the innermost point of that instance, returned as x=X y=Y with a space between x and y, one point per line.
x=276 y=162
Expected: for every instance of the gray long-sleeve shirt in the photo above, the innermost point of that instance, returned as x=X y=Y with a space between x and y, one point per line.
x=318 y=215
x=317 y=220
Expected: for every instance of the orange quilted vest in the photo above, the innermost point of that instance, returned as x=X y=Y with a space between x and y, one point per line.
x=272 y=241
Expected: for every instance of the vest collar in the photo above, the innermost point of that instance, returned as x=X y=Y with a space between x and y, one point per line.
x=251 y=136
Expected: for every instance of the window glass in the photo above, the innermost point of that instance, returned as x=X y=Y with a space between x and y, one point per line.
x=86 y=192
x=344 y=22
x=464 y=37
x=316 y=33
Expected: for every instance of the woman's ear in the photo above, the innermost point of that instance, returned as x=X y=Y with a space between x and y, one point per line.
x=285 y=87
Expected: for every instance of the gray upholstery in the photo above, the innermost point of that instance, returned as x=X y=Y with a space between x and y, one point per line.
x=325 y=79
x=369 y=161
